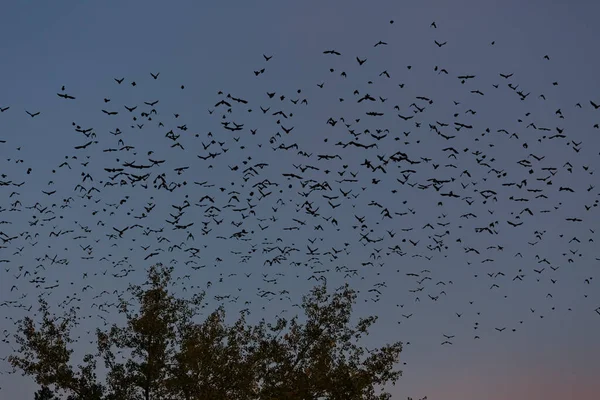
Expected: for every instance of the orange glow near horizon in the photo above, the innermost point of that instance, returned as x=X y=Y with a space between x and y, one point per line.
x=539 y=384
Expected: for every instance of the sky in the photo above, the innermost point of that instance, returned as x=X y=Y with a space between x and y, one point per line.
x=207 y=48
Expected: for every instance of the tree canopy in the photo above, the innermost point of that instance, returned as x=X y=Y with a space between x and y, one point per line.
x=163 y=353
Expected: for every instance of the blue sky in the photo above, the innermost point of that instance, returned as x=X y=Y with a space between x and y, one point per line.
x=211 y=48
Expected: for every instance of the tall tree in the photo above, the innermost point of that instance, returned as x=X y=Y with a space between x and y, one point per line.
x=163 y=353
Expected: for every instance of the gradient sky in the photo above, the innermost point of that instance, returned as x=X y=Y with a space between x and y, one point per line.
x=207 y=48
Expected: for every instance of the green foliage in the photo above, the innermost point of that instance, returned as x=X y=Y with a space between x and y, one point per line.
x=174 y=358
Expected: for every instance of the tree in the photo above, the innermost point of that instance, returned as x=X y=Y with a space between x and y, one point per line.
x=173 y=357
x=44 y=393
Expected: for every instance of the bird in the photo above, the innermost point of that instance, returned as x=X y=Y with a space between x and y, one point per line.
x=319 y=182
x=65 y=96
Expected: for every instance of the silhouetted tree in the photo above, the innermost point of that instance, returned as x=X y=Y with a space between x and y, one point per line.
x=44 y=393
x=162 y=353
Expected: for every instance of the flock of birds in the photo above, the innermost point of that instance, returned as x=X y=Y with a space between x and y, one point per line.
x=391 y=190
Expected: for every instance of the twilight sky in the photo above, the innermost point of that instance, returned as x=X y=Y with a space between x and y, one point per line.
x=212 y=48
